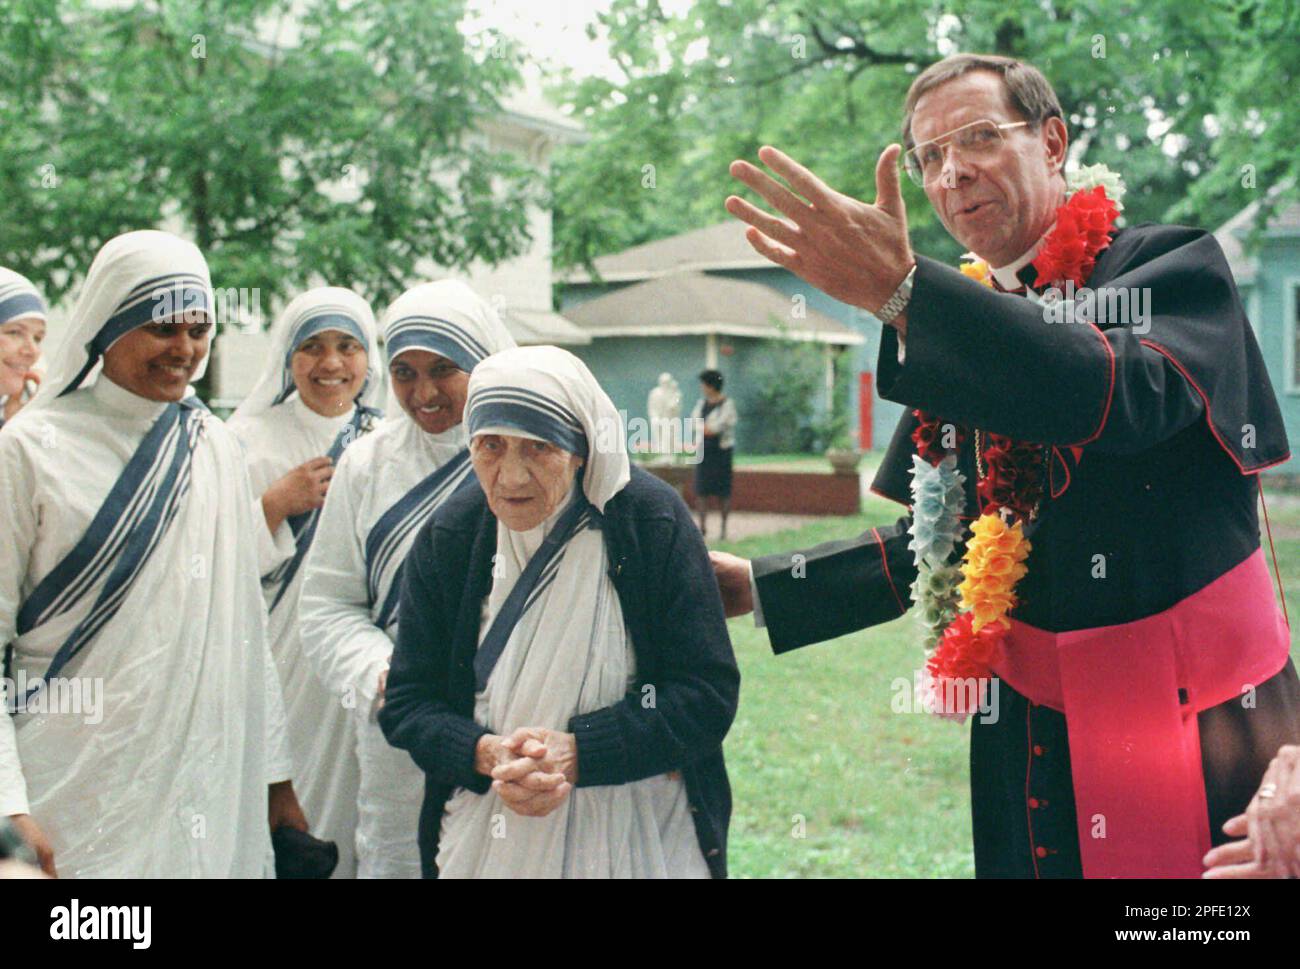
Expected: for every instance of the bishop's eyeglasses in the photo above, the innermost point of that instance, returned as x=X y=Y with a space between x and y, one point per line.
x=924 y=162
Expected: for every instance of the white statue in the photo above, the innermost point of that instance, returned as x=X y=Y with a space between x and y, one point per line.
x=664 y=405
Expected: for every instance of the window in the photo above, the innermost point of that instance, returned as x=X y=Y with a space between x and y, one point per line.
x=1291 y=332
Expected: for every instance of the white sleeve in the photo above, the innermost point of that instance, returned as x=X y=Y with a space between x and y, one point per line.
x=727 y=416
x=340 y=641
x=279 y=759
x=759 y=621
x=273 y=548
x=18 y=519
x=902 y=349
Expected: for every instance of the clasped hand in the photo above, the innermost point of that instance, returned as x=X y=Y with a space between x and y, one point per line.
x=533 y=769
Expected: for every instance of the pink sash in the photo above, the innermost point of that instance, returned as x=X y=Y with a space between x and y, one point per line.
x=1130 y=694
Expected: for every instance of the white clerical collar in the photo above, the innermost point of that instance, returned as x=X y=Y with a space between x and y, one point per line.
x=317 y=422
x=1007 y=276
x=119 y=400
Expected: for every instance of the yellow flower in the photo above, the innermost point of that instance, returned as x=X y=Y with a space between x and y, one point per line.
x=978 y=270
x=991 y=567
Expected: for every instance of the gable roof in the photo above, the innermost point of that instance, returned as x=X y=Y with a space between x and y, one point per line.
x=720 y=246
x=697 y=304
x=1231 y=236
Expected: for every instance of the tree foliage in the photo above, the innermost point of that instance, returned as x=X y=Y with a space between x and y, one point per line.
x=1146 y=88
x=347 y=152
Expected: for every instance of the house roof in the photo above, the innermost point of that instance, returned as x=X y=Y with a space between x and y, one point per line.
x=1231 y=236
x=693 y=303
x=528 y=108
x=720 y=246
x=533 y=327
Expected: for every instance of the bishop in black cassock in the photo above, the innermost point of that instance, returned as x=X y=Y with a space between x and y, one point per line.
x=1140 y=703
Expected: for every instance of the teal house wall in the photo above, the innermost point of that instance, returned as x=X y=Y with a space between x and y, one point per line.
x=628 y=367
x=1267 y=272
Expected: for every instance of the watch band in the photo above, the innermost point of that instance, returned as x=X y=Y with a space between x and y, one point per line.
x=898 y=302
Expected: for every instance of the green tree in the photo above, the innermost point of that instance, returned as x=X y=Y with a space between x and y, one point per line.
x=826 y=81
x=347 y=152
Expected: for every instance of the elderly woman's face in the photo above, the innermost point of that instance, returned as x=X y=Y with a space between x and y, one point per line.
x=524 y=480
x=430 y=388
x=329 y=370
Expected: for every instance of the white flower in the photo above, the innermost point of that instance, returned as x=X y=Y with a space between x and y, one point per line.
x=1090 y=176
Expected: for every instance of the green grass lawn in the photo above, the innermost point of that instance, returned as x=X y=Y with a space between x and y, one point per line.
x=880 y=794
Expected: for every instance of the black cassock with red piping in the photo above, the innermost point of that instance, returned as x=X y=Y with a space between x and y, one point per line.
x=1155 y=429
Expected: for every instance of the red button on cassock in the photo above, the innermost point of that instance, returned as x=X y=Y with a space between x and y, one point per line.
x=1033 y=802
x=1040 y=851
x=1038 y=750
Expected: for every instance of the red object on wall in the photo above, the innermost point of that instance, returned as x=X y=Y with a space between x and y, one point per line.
x=866 y=398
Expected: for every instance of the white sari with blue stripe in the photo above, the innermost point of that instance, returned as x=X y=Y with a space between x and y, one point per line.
x=386 y=487
x=321 y=734
x=180 y=745
x=128 y=575
x=280 y=432
x=553 y=644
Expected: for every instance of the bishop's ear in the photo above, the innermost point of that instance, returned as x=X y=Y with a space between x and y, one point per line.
x=1056 y=141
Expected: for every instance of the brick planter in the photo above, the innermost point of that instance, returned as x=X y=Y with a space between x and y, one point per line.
x=779 y=492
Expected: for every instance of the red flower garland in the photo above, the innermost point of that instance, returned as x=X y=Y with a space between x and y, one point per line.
x=963 y=656
x=1014 y=476
x=928 y=437
x=1082 y=232
x=1014 y=470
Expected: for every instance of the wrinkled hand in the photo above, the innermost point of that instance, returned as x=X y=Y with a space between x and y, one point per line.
x=733 y=582
x=283 y=809
x=489 y=753
x=551 y=751
x=1271 y=826
x=541 y=772
x=301 y=490
x=855 y=252
x=31 y=832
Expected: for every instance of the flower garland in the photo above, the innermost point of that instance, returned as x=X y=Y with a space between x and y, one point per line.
x=963 y=608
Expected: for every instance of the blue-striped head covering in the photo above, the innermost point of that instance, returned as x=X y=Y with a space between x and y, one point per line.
x=136 y=278
x=315 y=311
x=549 y=394
x=19 y=298
x=447 y=318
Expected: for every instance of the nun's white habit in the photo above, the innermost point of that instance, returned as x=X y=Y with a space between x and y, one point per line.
x=386 y=486
x=280 y=432
x=129 y=567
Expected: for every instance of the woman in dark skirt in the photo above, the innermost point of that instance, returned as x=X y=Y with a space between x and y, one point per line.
x=713 y=473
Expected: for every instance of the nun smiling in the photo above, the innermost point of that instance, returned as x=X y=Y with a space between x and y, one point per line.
x=563 y=673
x=22 y=328
x=318 y=393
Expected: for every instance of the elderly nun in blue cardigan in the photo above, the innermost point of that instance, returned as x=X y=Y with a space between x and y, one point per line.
x=563 y=673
